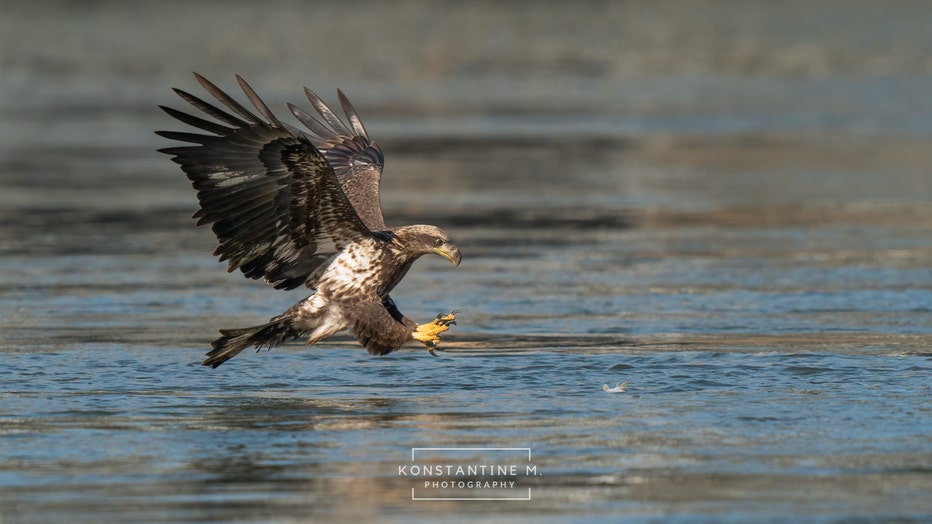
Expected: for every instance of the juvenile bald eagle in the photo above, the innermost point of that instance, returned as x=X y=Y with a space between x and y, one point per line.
x=302 y=207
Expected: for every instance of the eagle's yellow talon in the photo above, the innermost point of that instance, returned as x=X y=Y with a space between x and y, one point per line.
x=429 y=333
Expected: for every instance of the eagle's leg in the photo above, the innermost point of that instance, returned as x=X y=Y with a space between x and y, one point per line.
x=429 y=333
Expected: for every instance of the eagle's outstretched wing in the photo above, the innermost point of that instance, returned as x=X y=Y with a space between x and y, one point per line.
x=356 y=160
x=275 y=203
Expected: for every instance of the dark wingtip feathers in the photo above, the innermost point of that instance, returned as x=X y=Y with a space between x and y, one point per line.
x=257 y=102
x=326 y=113
x=351 y=115
x=227 y=100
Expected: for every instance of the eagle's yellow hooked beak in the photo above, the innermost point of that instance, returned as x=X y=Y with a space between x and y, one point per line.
x=450 y=253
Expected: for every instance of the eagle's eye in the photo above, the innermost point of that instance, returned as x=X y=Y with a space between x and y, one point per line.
x=438 y=242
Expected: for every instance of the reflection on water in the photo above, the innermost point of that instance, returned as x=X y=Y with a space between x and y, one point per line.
x=747 y=245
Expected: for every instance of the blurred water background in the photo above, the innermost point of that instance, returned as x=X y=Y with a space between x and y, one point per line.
x=726 y=204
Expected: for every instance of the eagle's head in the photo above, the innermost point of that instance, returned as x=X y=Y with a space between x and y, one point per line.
x=414 y=241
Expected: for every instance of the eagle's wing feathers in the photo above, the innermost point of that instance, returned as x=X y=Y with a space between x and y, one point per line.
x=352 y=116
x=274 y=202
x=227 y=100
x=256 y=101
x=355 y=158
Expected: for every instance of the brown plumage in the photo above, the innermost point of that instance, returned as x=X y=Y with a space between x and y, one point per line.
x=302 y=207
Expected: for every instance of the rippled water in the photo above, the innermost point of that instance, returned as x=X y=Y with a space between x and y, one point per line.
x=145 y=434
x=744 y=235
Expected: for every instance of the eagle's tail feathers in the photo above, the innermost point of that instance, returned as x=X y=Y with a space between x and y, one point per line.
x=232 y=341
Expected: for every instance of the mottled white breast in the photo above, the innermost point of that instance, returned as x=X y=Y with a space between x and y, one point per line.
x=357 y=271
